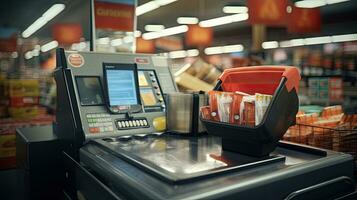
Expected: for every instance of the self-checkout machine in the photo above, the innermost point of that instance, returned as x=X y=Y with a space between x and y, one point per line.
x=111 y=121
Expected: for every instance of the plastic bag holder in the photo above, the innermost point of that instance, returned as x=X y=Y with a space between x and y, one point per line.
x=262 y=139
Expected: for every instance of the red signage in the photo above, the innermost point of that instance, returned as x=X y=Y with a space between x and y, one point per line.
x=114 y=16
x=8 y=44
x=67 y=33
x=304 y=20
x=268 y=12
x=144 y=46
x=199 y=36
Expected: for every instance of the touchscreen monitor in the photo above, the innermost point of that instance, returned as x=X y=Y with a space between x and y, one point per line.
x=122 y=87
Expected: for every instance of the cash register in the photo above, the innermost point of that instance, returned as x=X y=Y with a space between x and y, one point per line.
x=111 y=121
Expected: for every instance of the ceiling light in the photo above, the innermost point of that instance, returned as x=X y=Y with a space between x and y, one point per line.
x=192 y=52
x=335 y=1
x=213 y=50
x=166 y=32
x=235 y=9
x=344 y=38
x=297 y=42
x=187 y=20
x=46 y=17
x=224 y=20
x=28 y=55
x=177 y=54
x=154 y=28
x=49 y=46
x=318 y=40
x=310 y=3
x=270 y=45
x=224 y=49
x=233 y=48
x=164 y=2
x=146 y=7
x=151 y=5
x=35 y=52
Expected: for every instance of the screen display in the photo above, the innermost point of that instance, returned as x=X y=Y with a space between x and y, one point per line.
x=121 y=86
x=142 y=79
x=90 y=90
x=148 y=97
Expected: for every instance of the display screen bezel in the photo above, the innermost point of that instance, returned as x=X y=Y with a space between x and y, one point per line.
x=101 y=91
x=122 y=67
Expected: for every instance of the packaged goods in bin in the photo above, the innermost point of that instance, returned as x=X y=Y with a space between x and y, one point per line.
x=261 y=126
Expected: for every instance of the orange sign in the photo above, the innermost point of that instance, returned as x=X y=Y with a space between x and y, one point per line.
x=144 y=46
x=268 y=12
x=67 y=33
x=199 y=36
x=170 y=43
x=114 y=16
x=304 y=20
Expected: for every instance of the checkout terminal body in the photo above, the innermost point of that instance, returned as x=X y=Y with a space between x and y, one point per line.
x=111 y=120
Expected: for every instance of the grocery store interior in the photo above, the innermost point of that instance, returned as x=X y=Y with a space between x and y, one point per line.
x=178 y=99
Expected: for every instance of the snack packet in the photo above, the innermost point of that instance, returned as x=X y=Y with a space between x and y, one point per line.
x=262 y=102
x=235 y=114
x=247 y=110
x=206 y=112
x=224 y=103
x=213 y=105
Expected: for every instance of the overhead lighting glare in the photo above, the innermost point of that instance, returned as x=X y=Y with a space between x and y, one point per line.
x=344 y=38
x=270 y=45
x=166 y=32
x=316 y=3
x=187 y=20
x=335 y=1
x=151 y=5
x=235 y=9
x=192 y=52
x=224 y=20
x=28 y=55
x=164 y=2
x=224 y=49
x=52 y=12
x=177 y=54
x=318 y=40
x=154 y=28
x=49 y=46
x=310 y=3
x=233 y=48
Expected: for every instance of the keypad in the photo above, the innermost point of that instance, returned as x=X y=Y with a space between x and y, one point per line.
x=133 y=123
x=99 y=123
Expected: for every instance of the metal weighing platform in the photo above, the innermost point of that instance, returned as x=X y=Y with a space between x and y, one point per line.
x=173 y=167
